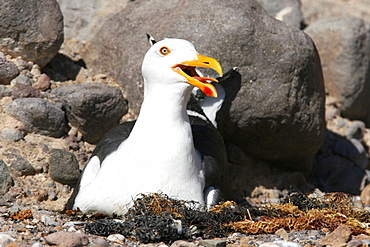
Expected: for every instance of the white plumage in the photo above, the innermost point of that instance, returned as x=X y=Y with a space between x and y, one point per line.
x=159 y=154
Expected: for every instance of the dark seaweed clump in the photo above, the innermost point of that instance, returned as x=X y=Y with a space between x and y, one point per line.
x=158 y=218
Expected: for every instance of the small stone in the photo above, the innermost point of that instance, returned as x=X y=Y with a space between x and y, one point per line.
x=64 y=167
x=331 y=114
x=282 y=243
x=355 y=243
x=356 y=130
x=213 y=243
x=5 y=179
x=5 y=239
x=43 y=82
x=101 y=242
x=365 y=195
x=117 y=238
x=282 y=233
x=245 y=241
x=69 y=239
x=5 y=91
x=47 y=221
x=8 y=70
x=339 y=236
x=19 y=166
x=37 y=244
x=24 y=91
x=12 y=134
x=269 y=244
x=183 y=243
x=21 y=79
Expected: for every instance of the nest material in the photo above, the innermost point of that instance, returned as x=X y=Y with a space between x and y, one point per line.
x=158 y=218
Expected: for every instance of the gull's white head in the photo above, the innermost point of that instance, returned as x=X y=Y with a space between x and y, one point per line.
x=173 y=61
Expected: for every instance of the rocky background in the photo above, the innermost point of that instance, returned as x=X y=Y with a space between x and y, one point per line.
x=296 y=116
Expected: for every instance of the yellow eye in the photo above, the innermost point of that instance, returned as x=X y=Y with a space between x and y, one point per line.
x=164 y=51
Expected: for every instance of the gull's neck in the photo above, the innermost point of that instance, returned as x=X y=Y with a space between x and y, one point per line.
x=163 y=109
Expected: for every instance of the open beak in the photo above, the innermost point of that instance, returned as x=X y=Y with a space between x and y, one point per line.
x=187 y=70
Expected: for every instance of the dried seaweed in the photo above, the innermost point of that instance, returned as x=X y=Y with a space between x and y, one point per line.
x=22 y=215
x=304 y=213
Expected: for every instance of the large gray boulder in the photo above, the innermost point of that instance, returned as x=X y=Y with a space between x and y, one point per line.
x=344 y=44
x=84 y=19
x=38 y=115
x=32 y=29
x=93 y=108
x=278 y=113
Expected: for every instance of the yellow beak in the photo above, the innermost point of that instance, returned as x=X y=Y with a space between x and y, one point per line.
x=187 y=70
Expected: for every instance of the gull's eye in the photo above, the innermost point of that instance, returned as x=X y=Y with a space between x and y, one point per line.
x=164 y=51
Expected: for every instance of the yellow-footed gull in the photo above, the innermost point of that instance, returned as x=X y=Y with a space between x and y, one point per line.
x=165 y=150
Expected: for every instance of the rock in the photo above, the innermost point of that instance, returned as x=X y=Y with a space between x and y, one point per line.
x=67 y=239
x=278 y=90
x=11 y=134
x=355 y=243
x=316 y=10
x=101 y=242
x=32 y=29
x=269 y=244
x=288 y=11
x=38 y=115
x=117 y=238
x=282 y=243
x=84 y=20
x=48 y=221
x=43 y=82
x=19 y=166
x=63 y=167
x=356 y=130
x=341 y=235
x=183 y=243
x=22 y=79
x=340 y=165
x=5 y=180
x=212 y=243
x=24 y=91
x=93 y=108
x=365 y=195
x=343 y=44
x=5 y=91
x=8 y=70
x=6 y=240
x=282 y=233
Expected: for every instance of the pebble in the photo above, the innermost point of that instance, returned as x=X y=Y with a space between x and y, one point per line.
x=183 y=243
x=269 y=244
x=283 y=243
x=117 y=238
x=282 y=233
x=339 y=236
x=213 y=243
x=48 y=221
x=22 y=80
x=12 y=134
x=37 y=244
x=5 y=239
x=69 y=239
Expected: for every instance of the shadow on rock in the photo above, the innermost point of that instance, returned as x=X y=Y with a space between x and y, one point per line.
x=340 y=165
